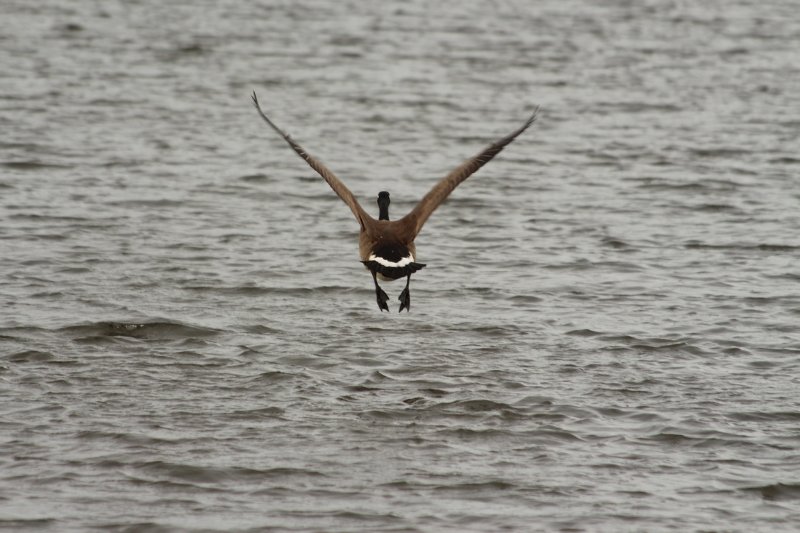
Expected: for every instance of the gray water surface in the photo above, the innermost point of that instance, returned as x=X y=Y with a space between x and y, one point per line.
x=605 y=337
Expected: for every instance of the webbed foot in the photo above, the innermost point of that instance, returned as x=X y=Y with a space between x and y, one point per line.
x=380 y=295
x=382 y=298
x=405 y=297
x=405 y=300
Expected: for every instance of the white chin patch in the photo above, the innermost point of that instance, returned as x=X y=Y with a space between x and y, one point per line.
x=385 y=262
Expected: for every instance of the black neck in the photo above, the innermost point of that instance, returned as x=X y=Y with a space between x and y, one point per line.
x=383 y=205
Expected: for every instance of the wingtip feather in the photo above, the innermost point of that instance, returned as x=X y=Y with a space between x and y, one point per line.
x=534 y=115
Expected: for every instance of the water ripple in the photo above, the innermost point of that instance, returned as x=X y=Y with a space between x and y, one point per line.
x=605 y=336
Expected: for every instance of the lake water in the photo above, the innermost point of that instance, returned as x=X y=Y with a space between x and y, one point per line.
x=605 y=337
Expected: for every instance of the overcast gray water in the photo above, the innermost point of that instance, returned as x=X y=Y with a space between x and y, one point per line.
x=605 y=337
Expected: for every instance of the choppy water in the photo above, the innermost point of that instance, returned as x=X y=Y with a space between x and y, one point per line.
x=606 y=336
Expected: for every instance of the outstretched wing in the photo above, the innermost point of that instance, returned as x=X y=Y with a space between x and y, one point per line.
x=417 y=217
x=338 y=187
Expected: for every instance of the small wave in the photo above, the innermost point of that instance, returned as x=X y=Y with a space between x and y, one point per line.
x=671 y=347
x=491 y=485
x=47 y=218
x=475 y=434
x=31 y=165
x=727 y=153
x=159 y=202
x=276 y=376
x=128 y=438
x=694 y=438
x=255 y=178
x=254 y=290
x=627 y=339
x=713 y=185
x=30 y=356
x=142 y=330
x=256 y=414
x=656 y=344
x=791 y=276
x=492 y=331
x=476 y=406
x=215 y=474
x=617 y=244
x=526 y=299
x=637 y=107
x=184 y=51
x=785 y=160
x=391 y=415
x=672 y=438
x=140 y=527
x=33 y=524
x=260 y=329
x=777 y=491
x=767 y=416
x=193 y=49
x=761 y=247
x=737 y=350
x=583 y=333
x=416 y=400
x=716 y=208
x=244 y=290
x=367 y=516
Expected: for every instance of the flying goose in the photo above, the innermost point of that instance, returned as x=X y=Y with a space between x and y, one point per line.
x=387 y=247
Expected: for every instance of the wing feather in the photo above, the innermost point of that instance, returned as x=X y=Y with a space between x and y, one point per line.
x=335 y=183
x=417 y=217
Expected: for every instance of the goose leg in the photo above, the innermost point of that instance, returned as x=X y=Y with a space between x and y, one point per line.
x=405 y=297
x=381 y=296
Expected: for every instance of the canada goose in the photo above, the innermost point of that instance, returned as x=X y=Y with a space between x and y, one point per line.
x=387 y=247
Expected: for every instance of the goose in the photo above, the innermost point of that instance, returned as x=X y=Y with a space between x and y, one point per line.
x=386 y=246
